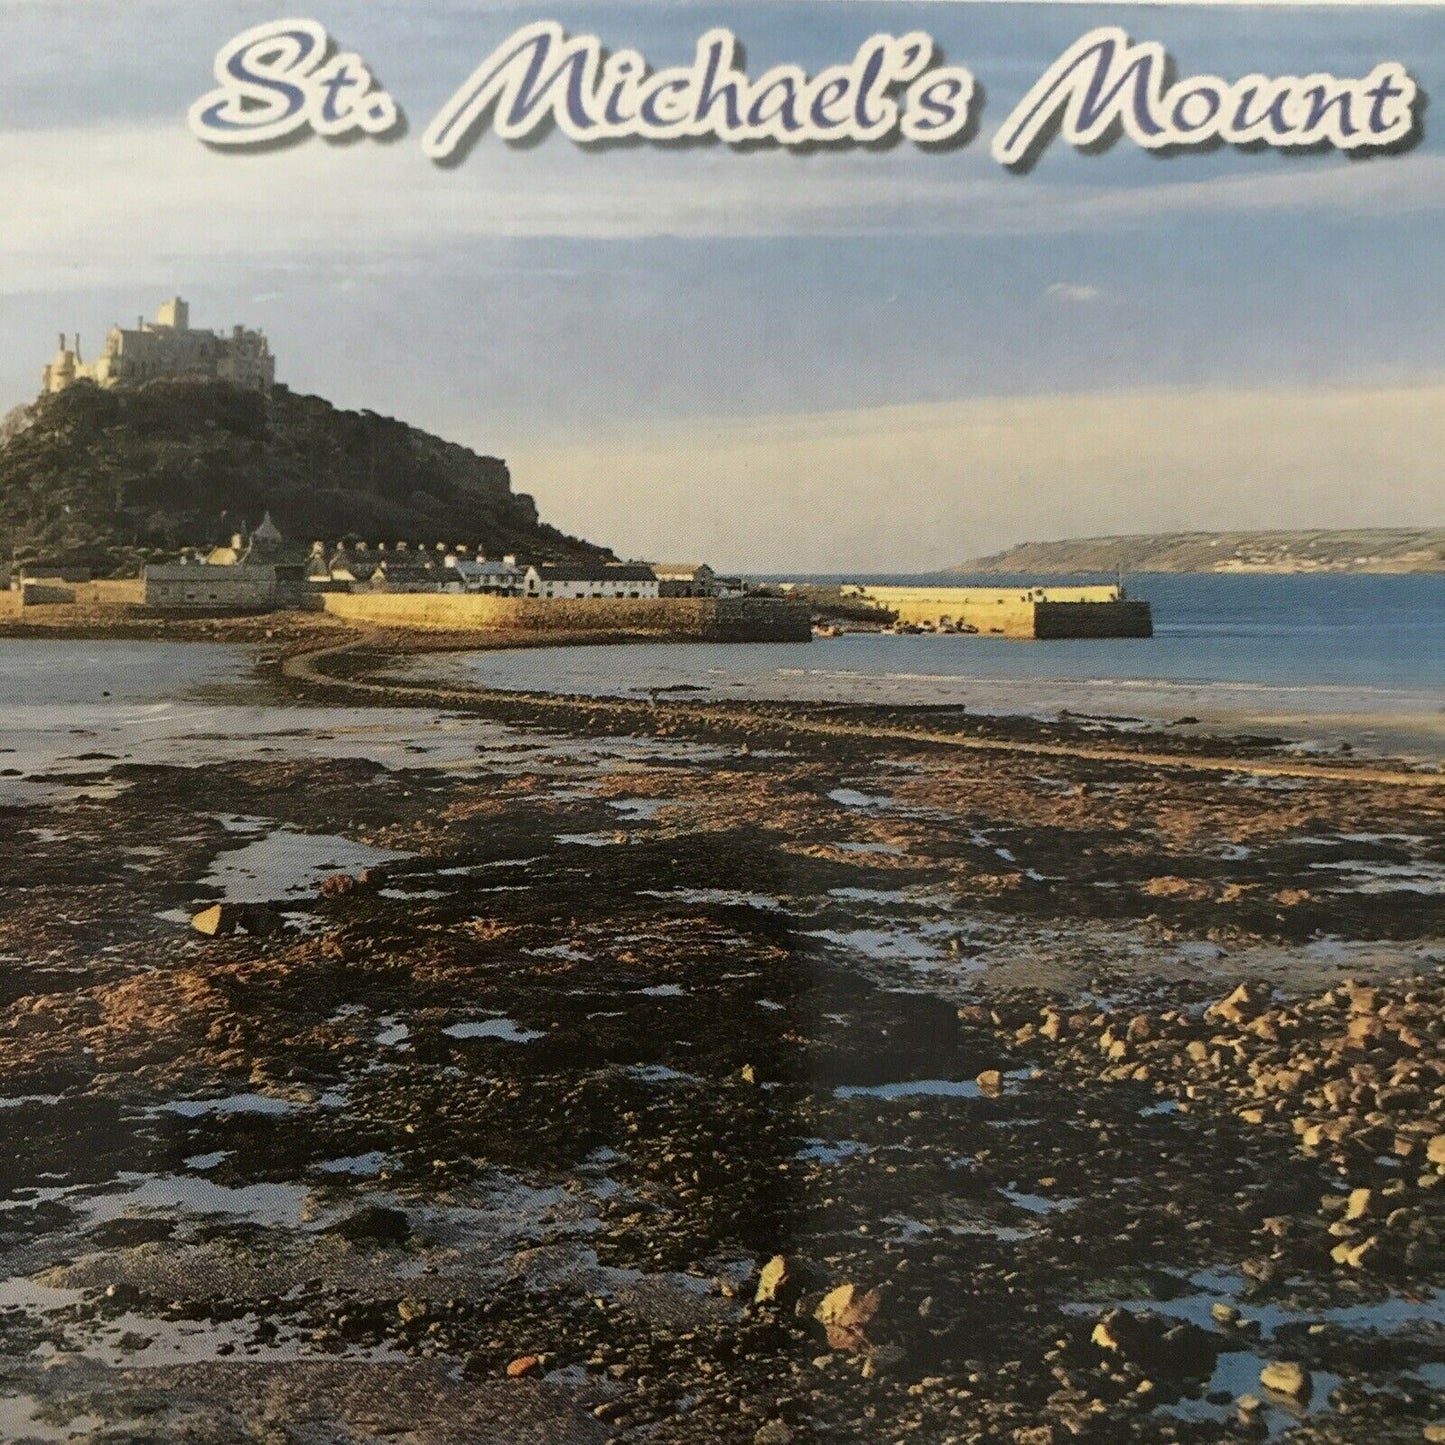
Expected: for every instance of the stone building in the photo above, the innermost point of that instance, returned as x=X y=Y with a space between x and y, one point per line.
x=205 y=587
x=166 y=348
x=574 y=581
x=694 y=579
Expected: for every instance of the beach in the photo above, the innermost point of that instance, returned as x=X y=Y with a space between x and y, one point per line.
x=641 y=1069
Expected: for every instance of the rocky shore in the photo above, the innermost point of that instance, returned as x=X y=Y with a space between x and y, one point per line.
x=562 y=1070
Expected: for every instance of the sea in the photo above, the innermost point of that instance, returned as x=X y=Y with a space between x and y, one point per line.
x=1324 y=660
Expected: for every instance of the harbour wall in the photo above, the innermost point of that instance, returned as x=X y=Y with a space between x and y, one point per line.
x=128 y=592
x=1128 y=617
x=1038 y=612
x=703 y=619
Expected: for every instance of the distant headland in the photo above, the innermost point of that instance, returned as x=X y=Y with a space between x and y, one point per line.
x=1364 y=550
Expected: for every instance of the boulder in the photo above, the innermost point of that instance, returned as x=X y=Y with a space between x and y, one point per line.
x=845 y=1313
x=372 y=1224
x=777 y=1283
x=1162 y=1346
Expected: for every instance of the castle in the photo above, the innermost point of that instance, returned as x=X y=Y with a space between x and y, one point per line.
x=166 y=348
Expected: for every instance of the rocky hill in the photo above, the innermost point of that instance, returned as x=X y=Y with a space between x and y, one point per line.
x=1373 y=550
x=113 y=478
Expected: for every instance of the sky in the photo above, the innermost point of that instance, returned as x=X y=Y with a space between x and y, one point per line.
x=874 y=359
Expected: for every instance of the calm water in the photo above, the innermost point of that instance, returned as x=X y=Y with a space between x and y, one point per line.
x=1373 y=632
x=1304 y=653
x=1366 y=634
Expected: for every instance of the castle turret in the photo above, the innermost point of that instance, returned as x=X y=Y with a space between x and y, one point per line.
x=61 y=371
x=175 y=314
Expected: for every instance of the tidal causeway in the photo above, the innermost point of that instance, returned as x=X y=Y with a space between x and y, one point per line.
x=659 y=1070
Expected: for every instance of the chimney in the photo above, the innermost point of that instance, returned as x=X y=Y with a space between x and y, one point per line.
x=510 y=560
x=61 y=347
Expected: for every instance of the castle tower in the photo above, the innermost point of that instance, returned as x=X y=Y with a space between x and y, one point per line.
x=175 y=314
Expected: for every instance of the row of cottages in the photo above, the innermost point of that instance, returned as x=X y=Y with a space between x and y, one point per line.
x=261 y=569
x=403 y=569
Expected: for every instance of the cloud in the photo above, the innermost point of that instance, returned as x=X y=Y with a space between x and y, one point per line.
x=122 y=205
x=1071 y=293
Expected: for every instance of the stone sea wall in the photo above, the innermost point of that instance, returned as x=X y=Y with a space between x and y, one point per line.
x=1012 y=612
x=1128 y=618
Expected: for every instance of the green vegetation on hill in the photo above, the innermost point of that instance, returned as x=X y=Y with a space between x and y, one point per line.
x=1389 y=549
x=113 y=478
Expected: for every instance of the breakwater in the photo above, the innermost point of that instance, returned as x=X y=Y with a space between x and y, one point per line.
x=1034 y=612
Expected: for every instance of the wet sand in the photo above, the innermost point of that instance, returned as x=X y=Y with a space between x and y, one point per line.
x=617 y=1006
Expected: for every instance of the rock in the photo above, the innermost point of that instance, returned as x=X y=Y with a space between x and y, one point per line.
x=1163 y=1346
x=1435 y=1150
x=748 y=1074
x=1435 y=1433
x=777 y=1283
x=1287 y=1377
x=373 y=1223
x=775 y=1432
x=1355 y=1256
x=881 y=1359
x=259 y=919
x=845 y=1313
x=990 y=1081
x=523 y=1366
x=337 y=884
x=1248 y=1000
x=1358 y=1205
x=127 y=1233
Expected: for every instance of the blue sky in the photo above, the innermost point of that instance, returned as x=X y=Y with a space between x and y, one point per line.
x=706 y=324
